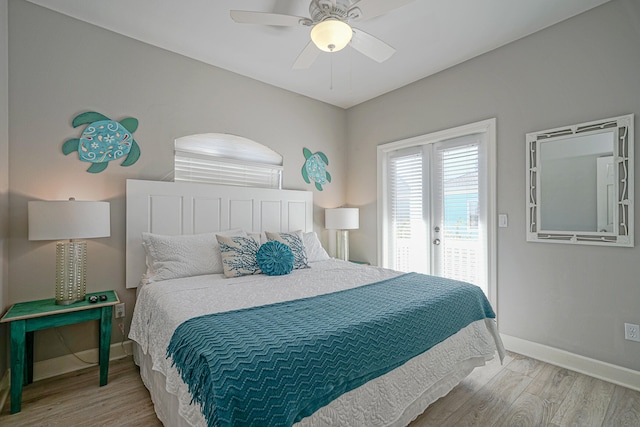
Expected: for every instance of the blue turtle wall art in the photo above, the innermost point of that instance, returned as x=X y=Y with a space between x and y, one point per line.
x=315 y=168
x=103 y=140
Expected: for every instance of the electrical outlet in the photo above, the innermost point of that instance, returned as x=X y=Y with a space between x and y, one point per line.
x=631 y=332
x=120 y=312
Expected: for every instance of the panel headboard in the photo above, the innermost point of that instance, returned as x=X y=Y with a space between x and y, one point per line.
x=174 y=208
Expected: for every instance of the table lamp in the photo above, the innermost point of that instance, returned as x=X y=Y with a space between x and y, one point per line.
x=343 y=220
x=69 y=220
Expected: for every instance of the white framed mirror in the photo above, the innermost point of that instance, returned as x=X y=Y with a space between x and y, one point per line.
x=580 y=183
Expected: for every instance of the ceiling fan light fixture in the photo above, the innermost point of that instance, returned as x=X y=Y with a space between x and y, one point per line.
x=331 y=35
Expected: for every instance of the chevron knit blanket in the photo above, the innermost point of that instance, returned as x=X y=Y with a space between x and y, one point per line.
x=276 y=364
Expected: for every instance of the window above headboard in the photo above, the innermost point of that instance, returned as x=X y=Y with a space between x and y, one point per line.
x=218 y=158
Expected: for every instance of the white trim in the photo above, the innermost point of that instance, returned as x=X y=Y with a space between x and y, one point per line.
x=487 y=127
x=65 y=364
x=594 y=368
x=69 y=363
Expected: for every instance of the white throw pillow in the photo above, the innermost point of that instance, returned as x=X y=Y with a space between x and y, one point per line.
x=171 y=257
x=313 y=247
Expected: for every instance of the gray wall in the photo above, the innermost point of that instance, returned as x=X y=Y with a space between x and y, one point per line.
x=59 y=67
x=574 y=298
x=4 y=182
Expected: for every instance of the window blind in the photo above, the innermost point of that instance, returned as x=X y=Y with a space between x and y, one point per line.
x=201 y=168
x=462 y=249
x=225 y=159
x=407 y=230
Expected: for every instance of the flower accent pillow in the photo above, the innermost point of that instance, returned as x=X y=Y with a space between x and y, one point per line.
x=275 y=258
x=294 y=240
x=239 y=255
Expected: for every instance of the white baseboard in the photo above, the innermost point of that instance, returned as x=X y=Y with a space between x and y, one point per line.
x=602 y=370
x=69 y=363
x=64 y=364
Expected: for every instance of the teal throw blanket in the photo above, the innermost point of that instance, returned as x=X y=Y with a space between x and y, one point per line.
x=276 y=364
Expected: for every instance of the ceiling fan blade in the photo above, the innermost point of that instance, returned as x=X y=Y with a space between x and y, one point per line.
x=370 y=46
x=367 y=9
x=307 y=57
x=263 y=18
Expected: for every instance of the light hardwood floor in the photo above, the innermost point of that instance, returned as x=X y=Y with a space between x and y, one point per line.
x=522 y=392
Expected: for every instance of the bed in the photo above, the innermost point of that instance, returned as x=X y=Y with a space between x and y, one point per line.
x=169 y=314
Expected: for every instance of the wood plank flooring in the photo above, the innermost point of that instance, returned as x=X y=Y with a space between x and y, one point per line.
x=526 y=392
x=522 y=392
x=76 y=399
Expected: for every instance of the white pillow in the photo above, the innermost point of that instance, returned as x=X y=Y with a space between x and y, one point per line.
x=315 y=251
x=171 y=257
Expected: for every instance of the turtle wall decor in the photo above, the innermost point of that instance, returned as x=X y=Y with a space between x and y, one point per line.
x=103 y=140
x=315 y=168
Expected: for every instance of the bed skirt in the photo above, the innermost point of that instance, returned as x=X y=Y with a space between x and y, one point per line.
x=394 y=399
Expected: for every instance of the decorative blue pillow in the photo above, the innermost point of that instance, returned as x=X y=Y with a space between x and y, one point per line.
x=275 y=258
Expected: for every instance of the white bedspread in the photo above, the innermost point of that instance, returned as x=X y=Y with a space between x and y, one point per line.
x=162 y=306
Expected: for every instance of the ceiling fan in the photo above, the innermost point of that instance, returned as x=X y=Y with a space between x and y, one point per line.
x=330 y=27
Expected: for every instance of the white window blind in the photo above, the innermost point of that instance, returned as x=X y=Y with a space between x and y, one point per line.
x=462 y=247
x=218 y=158
x=407 y=228
x=220 y=170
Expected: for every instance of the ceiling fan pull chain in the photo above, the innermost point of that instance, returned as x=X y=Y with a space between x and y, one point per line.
x=331 y=71
x=350 y=72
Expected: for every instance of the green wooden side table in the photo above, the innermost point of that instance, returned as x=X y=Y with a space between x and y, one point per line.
x=27 y=317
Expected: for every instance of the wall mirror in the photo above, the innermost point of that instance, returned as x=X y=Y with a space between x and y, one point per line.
x=580 y=183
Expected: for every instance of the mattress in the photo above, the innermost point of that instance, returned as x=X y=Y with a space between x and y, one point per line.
x=392 y=399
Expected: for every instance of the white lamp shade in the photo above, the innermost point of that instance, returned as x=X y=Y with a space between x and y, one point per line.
x=331 y=35
x=68 y=219
x=342 y=218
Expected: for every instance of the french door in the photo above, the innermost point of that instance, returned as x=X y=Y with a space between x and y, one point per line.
x=436 y=205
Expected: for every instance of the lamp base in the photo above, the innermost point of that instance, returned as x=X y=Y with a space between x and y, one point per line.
x=342 y=249
x=69 y=301
x=71 y=272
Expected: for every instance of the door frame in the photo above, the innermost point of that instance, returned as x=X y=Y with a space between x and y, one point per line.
x=486 y=127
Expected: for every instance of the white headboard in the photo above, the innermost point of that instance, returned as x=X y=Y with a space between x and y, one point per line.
x=174 y=208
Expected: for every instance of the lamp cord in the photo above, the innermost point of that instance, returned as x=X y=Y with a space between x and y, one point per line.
x=62 y=340
x=121 y=327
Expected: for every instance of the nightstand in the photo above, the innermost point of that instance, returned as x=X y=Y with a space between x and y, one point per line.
x=27 y=317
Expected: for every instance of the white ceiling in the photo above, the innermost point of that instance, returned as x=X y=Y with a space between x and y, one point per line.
x=429 y=36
